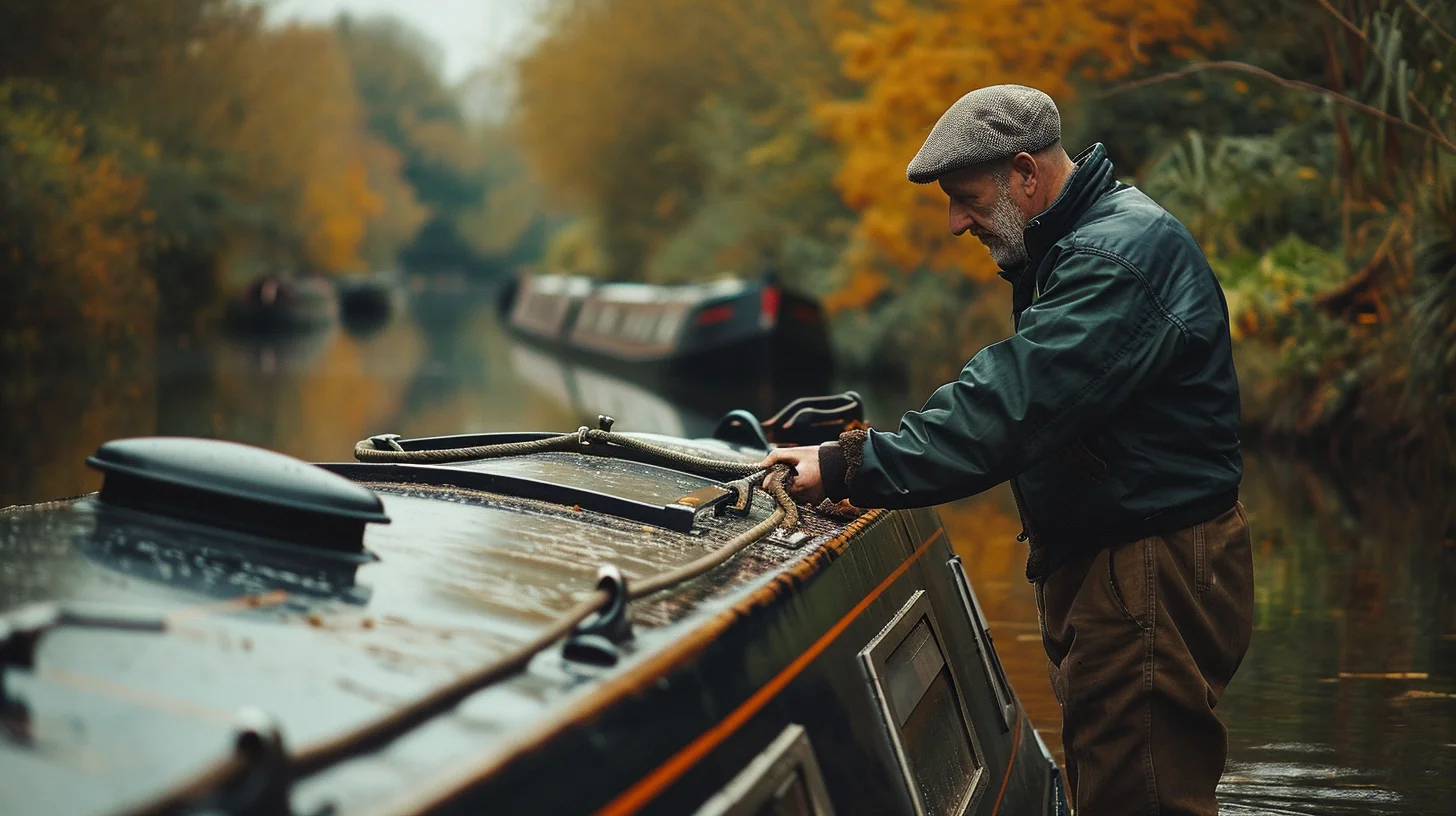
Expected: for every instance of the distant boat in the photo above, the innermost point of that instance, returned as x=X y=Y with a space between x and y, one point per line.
x=367 y=302
x=274 y=304
x=725 y=325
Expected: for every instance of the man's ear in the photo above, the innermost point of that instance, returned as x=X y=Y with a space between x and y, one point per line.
x=1025 y=173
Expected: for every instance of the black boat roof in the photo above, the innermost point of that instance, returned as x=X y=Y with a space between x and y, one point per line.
x=322 y=643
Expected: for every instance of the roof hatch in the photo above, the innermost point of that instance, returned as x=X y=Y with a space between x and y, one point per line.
x=237 y=487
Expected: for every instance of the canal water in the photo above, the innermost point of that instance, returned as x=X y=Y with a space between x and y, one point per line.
x=1346 y=702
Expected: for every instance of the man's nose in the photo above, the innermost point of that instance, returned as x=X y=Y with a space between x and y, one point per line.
x=960 y=220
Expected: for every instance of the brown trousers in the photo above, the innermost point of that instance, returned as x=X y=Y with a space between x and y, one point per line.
x=1142 y=638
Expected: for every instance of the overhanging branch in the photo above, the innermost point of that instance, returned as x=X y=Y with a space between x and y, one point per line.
x=1243 y=67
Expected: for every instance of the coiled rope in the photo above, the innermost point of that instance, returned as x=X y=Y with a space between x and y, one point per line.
x=381 y=731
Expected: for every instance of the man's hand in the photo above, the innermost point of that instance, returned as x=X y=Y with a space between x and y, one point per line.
x=806 y=485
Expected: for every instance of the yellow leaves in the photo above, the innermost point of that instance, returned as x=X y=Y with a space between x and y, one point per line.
x=915 y=60
x=864 y=285
x=79 y=227
x=861 y=54
x=336 y=213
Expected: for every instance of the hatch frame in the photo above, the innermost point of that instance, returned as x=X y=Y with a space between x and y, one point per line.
x=679 y=515
x=1006 y=701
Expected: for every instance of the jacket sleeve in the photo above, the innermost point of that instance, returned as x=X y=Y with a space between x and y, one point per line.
x=1094 y=337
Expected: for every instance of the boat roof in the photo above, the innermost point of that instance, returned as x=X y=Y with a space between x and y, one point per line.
x=574 y=285
x=323 y=644
x=628 y=292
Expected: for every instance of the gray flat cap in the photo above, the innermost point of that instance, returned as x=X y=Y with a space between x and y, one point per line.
x=987 y=124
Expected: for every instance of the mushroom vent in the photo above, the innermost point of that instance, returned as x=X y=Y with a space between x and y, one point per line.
x=239 y=488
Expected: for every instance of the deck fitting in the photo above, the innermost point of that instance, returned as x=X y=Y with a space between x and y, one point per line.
x=597 y=639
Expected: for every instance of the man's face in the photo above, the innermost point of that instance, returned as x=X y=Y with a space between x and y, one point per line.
x=981 y=203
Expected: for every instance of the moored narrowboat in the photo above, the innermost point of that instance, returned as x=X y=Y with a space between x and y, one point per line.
x=591 y=622
x=728 y=323
x=274 y=304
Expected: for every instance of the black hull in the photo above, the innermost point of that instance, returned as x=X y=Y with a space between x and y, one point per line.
x=786 y=656
x=856 y=643
x=282 y=307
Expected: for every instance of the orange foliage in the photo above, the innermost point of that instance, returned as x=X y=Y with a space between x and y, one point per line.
x=335 y=216
x=607 y=95
x=74 y=222
x=915 y=59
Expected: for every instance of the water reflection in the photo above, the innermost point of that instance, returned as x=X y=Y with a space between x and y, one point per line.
x=1345 y=704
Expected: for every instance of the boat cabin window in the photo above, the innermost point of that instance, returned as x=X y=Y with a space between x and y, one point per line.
x=924 y=714
x=783 y=780
x=995 y=675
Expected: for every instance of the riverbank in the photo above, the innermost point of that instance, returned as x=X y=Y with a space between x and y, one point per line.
x=1363 y=417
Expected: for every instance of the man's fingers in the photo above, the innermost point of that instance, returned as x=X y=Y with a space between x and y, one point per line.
x=779 y=457
x=790 y=456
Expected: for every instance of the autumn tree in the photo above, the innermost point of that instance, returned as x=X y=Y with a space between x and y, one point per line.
x=244 y=144
x=913 y=60
x=411 y=110
x=614 y=98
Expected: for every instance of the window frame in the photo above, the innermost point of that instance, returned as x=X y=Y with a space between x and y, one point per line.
x=1006 y=702
x=752 y=787
x=874 y=658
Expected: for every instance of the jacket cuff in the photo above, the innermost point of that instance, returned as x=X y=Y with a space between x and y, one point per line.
x=839 y=462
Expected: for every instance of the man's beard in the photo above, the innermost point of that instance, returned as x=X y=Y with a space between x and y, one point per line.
x=1006 y=238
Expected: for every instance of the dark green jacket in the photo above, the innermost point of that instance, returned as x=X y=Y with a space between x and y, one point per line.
x=1113 y=409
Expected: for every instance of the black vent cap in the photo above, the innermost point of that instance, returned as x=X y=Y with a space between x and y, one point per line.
x=237 y=487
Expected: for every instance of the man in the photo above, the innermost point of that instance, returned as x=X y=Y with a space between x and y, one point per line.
x=1113 y=411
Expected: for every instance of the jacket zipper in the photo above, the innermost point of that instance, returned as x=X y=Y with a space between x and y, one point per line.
x=1026 y=534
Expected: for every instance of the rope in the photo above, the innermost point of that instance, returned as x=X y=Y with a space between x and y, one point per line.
x=381 y=731
x=365 y=451
x=583 y=441
x=372 y=735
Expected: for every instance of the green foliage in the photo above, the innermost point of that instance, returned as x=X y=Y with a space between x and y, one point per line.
x=1238 y=194
x=1432 y=318
x=1275 y=289
x=766 y=204
x=918 y=329
x=458 y=173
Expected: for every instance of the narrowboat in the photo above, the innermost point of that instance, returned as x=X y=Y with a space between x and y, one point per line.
x=592 y=622
x=728 y=324
x=367 y=302
x=274 y=304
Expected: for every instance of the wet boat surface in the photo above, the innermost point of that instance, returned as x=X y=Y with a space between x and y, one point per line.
x=858 y=647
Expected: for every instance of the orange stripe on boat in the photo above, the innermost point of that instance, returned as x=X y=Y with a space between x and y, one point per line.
x=668 y=772
x=1010 y=763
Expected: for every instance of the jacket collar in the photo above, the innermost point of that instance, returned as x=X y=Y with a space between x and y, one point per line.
x=1092 y=179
